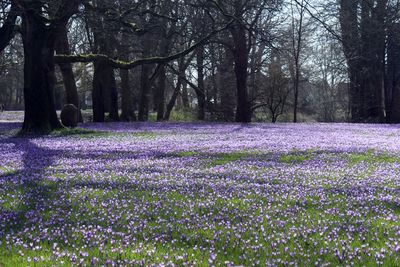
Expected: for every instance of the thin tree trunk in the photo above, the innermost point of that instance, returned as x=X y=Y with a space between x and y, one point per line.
x=182 y=66
x=296 y=95
x=71 y=91
x=185 y=96
x=201 y=94
x=172 y=101
x=297 y=40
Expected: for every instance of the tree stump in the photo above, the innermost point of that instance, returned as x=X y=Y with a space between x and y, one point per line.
x=69 y=116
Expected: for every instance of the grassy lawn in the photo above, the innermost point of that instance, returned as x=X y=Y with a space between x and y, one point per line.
x=202 y=194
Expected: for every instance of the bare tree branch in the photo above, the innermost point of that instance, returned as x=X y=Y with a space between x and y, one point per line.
x=132 y=64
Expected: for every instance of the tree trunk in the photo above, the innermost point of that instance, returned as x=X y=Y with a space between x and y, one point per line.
x=227 y=86
x=364 y=44
x=201 y=95
x=98 y=92
x=296 y=97
x=355 y=94
x=128 y=113
x=114 y=111
x=144 y=93
x=172 y=101
x=39 y=75
x=351 y=46
x=214 y=84
x=241 y=56
x=105 y=95
x=393 y=75
x=160 y=94
x=185 y=96
x=71 y=91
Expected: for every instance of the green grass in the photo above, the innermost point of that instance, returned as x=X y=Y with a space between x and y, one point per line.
x=237 y=208
x=183 y=154
x=295 y=157
x=183 y=115
x=177 y=116
x=218 y=159
x=7 y=170
x=224 y=158
x=192 y=237
x=79 y=132
x=85 y=133
x=371 y=157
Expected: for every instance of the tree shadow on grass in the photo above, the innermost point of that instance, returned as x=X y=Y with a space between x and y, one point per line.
x=30 y=189
x=25 y=187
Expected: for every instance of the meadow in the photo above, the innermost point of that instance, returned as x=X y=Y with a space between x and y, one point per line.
x=201 y=194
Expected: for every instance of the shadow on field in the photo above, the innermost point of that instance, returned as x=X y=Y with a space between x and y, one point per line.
x=27 y=184
x=29 y=190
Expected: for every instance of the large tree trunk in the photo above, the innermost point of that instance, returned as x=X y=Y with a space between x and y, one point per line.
x=393 y=75
x=160 y=94
x=352 y=50
x=379 y=17
x=105 y=95
x=127 y=96
x=226 y=86
x=364 y=39
x=113 y=94
x=241 y=56
x=39 y=75
x=128 y=113
x=71 y=91
x=372 y=40
x=98 y=92
x=355 y=93
x=144 y=93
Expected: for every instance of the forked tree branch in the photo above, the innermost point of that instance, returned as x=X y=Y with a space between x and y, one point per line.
x=138 y=62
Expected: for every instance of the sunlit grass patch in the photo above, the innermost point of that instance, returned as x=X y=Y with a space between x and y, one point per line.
x=217 y=159
x=185 y=154
x=7 y=170
x=224 y=158
x=296 y=157
x=372 y=157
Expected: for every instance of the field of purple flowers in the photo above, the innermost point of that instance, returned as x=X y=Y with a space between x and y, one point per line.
x=201 y=194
